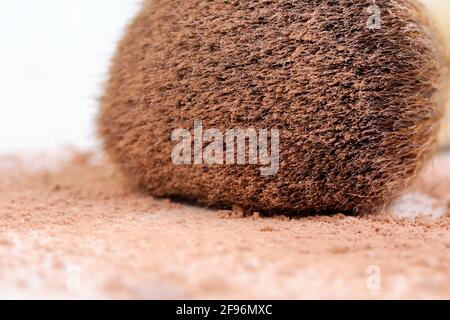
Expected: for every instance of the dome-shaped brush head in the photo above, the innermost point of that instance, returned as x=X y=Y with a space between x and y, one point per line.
x=352 y=88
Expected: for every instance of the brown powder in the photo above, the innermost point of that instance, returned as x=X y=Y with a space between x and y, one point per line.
x=94 y=238
x=357 y=109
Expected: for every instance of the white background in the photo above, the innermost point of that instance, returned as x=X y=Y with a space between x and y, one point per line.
x=54 y=58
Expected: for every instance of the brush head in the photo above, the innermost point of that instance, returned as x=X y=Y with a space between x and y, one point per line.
x=357 y=107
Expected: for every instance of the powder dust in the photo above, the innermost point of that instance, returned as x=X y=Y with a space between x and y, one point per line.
x=75 y=231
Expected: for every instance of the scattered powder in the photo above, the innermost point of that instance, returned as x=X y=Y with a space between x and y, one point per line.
x=92 y=237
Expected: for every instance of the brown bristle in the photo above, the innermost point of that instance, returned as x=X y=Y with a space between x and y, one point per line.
x=357 y=107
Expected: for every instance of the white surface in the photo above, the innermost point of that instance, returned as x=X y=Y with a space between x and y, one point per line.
x=416 y=204
x=54 y=58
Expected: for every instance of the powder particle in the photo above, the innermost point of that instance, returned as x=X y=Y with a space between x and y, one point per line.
x=268 y=229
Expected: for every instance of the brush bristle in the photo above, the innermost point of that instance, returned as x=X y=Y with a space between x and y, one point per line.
x=357 y=108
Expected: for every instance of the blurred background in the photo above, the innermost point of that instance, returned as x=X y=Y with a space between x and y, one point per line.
x=54 y=60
